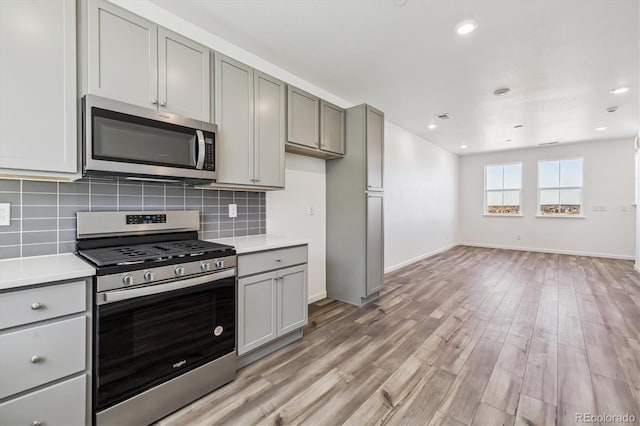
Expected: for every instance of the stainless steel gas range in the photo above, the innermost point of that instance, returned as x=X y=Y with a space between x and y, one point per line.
x=164 y=313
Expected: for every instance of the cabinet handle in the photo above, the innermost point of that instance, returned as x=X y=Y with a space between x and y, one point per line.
x=154 y=101
x=37 y=423
x=278 y=260
x=35 y=306
x=163 y=104
x=36 y=359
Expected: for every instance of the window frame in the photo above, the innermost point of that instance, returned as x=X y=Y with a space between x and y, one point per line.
x=559 y=188
x=485 y=211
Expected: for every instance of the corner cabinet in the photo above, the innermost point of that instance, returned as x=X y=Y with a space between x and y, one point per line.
x=249 y=112
x=133 y=60
x=315 y=127
x=272 y=300
x=38 y=122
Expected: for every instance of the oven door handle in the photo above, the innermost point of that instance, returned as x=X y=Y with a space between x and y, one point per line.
x=132 y=293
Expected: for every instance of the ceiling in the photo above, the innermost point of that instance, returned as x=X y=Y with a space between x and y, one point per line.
x=560 y=58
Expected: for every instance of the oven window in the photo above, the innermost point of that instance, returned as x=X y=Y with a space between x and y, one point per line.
x=145 y=341
x=122 y=137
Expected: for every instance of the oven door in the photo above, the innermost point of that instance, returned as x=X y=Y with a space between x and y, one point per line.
x=129 y=140
x=148 y=335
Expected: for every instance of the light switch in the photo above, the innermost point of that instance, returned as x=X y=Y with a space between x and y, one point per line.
x=233 y=210
x=5 y=214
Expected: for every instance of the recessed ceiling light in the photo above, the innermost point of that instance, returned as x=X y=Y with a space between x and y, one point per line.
x=501 y=91
x=464 y=146
x=467 y=26
x=601 y=128
x=518 y=126
x=432 y=126
x=620 y=90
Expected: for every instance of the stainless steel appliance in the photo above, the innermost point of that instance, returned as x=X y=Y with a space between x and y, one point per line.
x=120 y=139
x=355 y=210
x=164 y=313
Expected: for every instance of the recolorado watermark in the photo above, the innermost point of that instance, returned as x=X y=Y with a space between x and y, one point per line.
x=605 y=418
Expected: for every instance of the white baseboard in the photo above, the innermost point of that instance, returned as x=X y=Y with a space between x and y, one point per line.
x=553 y=251
x=418 y=258
x=636 y=267
x=317 y=296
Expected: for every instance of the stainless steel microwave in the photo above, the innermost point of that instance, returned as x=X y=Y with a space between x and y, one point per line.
x=137 y=143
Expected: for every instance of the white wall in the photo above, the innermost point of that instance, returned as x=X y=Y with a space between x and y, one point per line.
x=608 y=181
x=420 y=213
x=288 y=214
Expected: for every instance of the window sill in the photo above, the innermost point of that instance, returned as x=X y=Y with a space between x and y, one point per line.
x=502 y=215
x=561 y=216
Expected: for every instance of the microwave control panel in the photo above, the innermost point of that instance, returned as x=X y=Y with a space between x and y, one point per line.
x=209 y=154
x=136 y=219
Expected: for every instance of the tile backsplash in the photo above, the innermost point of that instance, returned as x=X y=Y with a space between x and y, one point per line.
x=43 y=214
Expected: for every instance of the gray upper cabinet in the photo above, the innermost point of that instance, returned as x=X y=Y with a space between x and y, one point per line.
x=136 y=61
x=38 y=86
x=234 y=117
x=331 y=128
x=250 y=114
x=269 y=130
x=302 y=118
x=375 y=148
x=183 y=75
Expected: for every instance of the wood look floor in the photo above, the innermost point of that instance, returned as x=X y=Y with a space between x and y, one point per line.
x=468 y=337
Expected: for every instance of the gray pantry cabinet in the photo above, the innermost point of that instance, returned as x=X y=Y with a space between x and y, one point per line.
x=249 y=112
x=355 y=205
x=45 y=377
x=133 y=60
x=272 y=300
x=38 y=121
x=315 y=127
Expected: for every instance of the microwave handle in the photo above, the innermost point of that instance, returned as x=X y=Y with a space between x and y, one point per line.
x=200 y=137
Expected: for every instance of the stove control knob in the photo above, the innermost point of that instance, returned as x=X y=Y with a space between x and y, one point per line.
x=179 y=271
x=128 y=280
x=219 y=263
x=149 y=276
x=206 y=266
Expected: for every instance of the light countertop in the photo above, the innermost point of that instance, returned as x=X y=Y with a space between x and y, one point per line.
x=26 y=271
x=253 y=243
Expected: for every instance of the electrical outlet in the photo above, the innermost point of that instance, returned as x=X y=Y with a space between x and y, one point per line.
x=311 y=211
x=518 y=237
x=233 y=210
x=5 y=214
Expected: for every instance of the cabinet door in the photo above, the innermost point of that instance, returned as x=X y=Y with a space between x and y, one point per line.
x=234 y=117
x=292 y=299
x=375 y=243
x=183 y=76
x=331 y=128
x=256 y=311
x=269 y=130
x=38 y=85
x=123 y=55
x=375 y=148
x=303 y=115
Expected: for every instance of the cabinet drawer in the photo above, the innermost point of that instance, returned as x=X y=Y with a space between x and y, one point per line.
x=27 y=306
x=41 y=354
x=63 y=404
x=269 y=260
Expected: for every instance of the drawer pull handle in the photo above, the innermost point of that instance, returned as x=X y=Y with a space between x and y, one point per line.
x=35 y=306
x=36 y=359
x=37 y=423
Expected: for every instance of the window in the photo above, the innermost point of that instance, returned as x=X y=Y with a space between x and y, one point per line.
x=503 y=185
x=560 y=187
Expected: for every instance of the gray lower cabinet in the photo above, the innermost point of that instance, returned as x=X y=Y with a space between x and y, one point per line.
x=250 y=114
x=44 y=378
x=272 y=304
